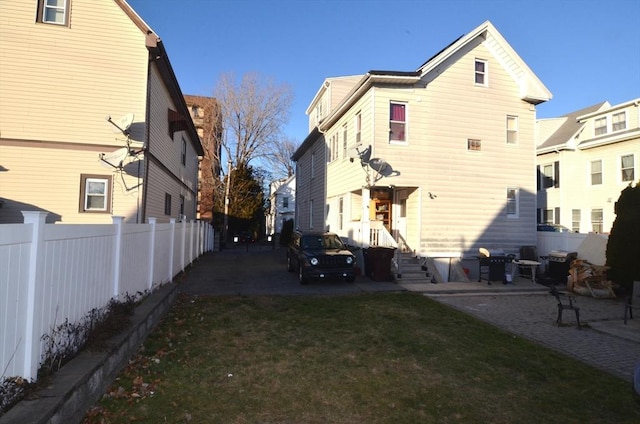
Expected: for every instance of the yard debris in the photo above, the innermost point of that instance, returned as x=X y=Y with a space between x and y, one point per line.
x=589 y=279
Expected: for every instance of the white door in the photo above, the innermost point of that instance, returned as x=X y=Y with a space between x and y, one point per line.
x=400 y=220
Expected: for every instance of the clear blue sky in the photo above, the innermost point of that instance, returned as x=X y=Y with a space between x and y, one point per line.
x=584 y=51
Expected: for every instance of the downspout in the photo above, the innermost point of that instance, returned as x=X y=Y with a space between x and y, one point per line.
x=145 y=182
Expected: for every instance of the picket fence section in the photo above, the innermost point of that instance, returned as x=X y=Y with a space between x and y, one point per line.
x=51 y=273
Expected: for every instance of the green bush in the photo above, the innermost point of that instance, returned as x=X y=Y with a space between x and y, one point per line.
x=287 y=230
x=623 y=248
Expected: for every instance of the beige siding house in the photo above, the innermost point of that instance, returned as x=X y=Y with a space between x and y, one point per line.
x=585 y=159
x=439 y=161
x=65 y=68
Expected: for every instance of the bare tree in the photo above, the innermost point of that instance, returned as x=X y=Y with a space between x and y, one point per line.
x=254 y=112
x=280 y=158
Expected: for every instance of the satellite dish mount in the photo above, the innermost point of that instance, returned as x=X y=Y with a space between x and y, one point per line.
x=122 y=124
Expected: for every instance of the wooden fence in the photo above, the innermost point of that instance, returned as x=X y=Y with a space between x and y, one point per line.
x=50 y=273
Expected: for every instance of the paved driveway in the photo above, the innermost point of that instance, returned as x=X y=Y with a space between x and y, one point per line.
x=258 y=269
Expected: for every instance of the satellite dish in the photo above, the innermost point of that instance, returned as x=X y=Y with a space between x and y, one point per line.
x=379 y=165
x=353 y=153
x=122 y=124
x=114 y=159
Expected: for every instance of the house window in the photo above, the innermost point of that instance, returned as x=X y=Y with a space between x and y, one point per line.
x=619 y=121
x=183 y=154
x=167 y=204
x=600 y=126
x=550 y=175
x=627 y=168
x=285 y=203
x=358 y=127
x=512 y=202
x=397 y=122
x=182 y=214
x=95 y=193
x=310 y=214
x=474 y=144
x=512 y=129
x=575 y=220
x=481 y=72
x=196 y=111
x=312 y=172
x=596 y=172
x=53 y=12
x=344 y=141
x=340 y=212
x=547 y=216
x=596 y=220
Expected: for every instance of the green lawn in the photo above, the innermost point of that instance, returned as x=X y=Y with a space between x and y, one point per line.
x=379 y=358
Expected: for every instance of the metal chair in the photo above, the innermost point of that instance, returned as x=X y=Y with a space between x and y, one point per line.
x=633 y=301
x=565 y=301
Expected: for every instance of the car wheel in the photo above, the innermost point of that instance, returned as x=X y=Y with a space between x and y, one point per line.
x=289 y=264
x=301 y=277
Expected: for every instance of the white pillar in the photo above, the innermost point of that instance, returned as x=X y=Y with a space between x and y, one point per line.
x=32 y=333
x=152 y=251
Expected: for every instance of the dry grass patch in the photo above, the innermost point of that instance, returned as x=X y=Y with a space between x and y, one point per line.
x=379 y=358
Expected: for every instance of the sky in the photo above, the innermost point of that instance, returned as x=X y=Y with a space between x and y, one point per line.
x=584 y=51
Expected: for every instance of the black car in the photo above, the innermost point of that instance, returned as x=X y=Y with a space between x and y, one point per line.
x=317 y=255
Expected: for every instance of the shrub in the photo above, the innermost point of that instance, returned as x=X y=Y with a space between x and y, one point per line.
x=623 y=249
x=287 y=230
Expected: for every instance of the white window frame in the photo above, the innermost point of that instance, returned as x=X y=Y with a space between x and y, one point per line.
x=44 y=6
x=512 y=129
x=513 y=202
x=310 y=214
x=622 y=169
x=622 y=124
x=358 y=127
x=344 y=141
x=576 y=217
x=484 y=73
x=86 y=193
x=405 y=123
x=474 y=145
x=592 y=173
x=597 y=225
x=600 y=129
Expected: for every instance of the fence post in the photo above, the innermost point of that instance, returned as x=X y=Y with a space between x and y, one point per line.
x=183 y=247
x=36 y=262
x=192 y=229
x=117 y=253
x=172 y=247
x=152 y=251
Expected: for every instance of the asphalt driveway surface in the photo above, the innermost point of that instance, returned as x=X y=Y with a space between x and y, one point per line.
x=259 y=269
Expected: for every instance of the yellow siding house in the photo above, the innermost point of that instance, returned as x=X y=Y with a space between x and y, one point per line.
x=92 y=119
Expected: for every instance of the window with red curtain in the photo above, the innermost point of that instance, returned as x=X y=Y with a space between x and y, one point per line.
x=397 y=122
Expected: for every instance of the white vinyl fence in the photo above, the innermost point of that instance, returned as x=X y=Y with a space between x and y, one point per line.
x=50 y=273
x=568 y=242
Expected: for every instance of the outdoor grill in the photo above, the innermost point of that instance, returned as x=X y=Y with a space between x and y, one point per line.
x=559 y=263
x=491 y=264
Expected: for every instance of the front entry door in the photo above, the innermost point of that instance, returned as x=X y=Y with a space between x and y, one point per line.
x=400 y=222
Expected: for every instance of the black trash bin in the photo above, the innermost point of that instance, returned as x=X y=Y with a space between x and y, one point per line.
x=378 y=263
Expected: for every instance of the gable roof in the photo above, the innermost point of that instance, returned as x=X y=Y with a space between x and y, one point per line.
x=158 y=53
x=531 y=88
x=562 y=137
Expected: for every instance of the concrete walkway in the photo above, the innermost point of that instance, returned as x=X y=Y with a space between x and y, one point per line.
x=522 y=308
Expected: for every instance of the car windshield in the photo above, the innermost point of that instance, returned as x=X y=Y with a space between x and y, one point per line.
x=329 y=241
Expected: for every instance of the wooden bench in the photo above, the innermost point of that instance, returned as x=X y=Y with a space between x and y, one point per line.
x=633 y=301
x=565 y=301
